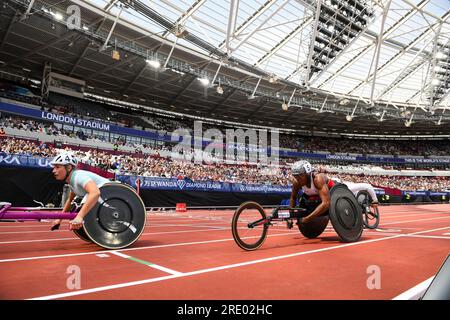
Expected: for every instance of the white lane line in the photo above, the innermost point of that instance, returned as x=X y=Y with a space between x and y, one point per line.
x=391 y=217
x=215 y=229
x=33 y=231
x=236 y=265
x=129 y=249
x=144 y=234
x=38 y=240
x=147 y=227
x=410 y=221
x=149 y=264
x=431 y=237
x=415 y=292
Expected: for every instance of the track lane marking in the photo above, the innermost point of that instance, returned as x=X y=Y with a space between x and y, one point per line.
x=186 y=274
x=149 y=264
x=415 y=292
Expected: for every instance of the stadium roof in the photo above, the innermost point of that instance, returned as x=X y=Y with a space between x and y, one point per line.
x=381 y=63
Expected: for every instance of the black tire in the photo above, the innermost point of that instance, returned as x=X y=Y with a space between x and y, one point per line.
x=80 y=233
x=315 y=228
x=371 y=218
x=345 y=214
x=118 y=219
x=246 y=213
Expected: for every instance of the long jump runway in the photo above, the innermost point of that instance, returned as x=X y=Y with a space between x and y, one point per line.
x=193 y=256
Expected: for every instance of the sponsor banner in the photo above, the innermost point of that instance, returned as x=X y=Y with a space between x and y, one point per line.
x=439 y=193
x=55 y=117
x=186 y=185
x=416 y=193
x=15 y=160
x=413 y=160
x=340 y=157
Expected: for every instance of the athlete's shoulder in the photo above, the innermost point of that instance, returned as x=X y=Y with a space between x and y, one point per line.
x=320 y=179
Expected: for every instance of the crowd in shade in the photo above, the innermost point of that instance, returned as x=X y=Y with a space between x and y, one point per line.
x=303 y=144
x=168 y=167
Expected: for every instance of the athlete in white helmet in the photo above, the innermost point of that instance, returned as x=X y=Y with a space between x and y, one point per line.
x=315 y=185
x=82 y=183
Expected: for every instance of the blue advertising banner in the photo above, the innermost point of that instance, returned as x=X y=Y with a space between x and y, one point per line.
x=55 y=117
x=148 y=183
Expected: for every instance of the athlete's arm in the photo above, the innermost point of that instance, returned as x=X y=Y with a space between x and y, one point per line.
x=294 y=193
x=93 y=193
x=69 y=200
x=324 y=194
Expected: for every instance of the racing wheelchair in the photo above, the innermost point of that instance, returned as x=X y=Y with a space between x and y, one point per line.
x=250 y=223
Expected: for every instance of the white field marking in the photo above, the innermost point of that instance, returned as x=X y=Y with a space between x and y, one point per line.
x=32 y=231
x=415 y=292
x=236 y=265
x=38 y=240
x=409 y=221
x=211 y=225
x=431 y=237
x=129 y=249
x=218 y=229
x=169 y=232
x=446 y=234
x=151 y=221
x=149 y=233
x=390 y=217
x=102 y=255
x=151 y=265
x=388 y=230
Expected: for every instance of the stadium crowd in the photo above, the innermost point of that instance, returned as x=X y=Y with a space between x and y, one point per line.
x=302 y=144
x=168 y=167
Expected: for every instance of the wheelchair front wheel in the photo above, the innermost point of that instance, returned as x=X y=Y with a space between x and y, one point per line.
x=249 y=226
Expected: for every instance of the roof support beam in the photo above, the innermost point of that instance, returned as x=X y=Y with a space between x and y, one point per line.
x=81 y=56
x=250 y=20
x=311 y=43
x=234 y=4
x=420 y=38
x=11 y=23
x=385 y=35
x=26 y=13
x=112 y=29
x=187 y=14
x=284 y=41
x=249 y=35
x=432 y=72
x=43 y=46
x=378 y=49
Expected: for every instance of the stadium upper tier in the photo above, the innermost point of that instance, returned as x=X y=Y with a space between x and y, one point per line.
x=144 y=121
x=345 y=66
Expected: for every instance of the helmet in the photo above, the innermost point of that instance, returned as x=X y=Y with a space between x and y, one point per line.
x=301 y=167
x=65 y=158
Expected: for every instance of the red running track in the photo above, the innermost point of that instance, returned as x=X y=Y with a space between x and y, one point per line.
x=193 y=256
